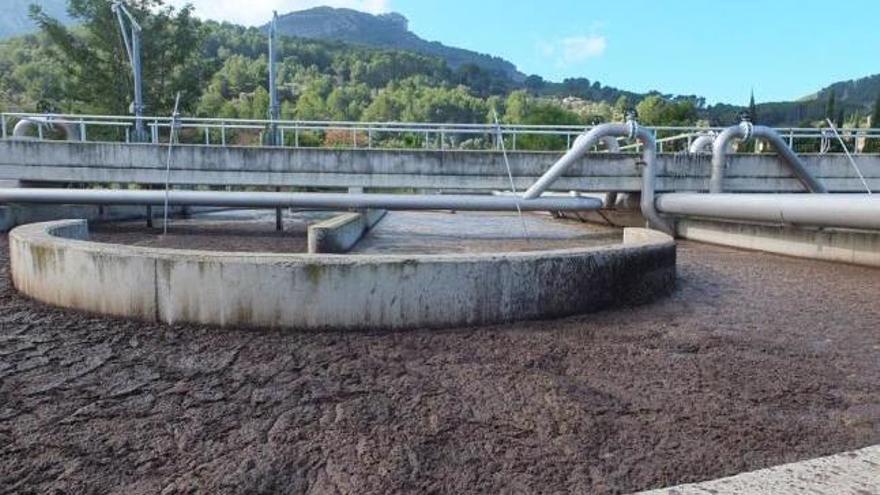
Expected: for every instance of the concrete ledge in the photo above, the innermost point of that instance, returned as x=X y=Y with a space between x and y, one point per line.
x=14 y=215
x=339 y=234
x=342 y=292
x=849 y=246
x=855 y=472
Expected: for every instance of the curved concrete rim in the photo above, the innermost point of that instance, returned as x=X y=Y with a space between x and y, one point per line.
x=54 y=262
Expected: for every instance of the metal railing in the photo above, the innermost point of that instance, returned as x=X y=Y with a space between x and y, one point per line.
x=436 y=136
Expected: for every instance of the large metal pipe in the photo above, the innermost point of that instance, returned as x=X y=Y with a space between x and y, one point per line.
x=746 y=130
x=26 y=124
x=296 y=200
x=611 y=146
x=703 y=144
x=585 y=142
x=854 y=211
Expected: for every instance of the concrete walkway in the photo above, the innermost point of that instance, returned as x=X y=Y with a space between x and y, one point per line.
x=856 y=472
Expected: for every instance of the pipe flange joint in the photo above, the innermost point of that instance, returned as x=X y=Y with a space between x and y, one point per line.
x=747 y=129
x=632 y=128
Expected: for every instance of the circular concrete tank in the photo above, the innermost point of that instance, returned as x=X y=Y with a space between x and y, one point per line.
x=54 y=262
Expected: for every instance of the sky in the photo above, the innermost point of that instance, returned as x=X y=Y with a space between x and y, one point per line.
x=781 y=49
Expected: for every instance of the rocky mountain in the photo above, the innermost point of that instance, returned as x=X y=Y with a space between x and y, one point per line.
x=383 y=31
x=14 y=18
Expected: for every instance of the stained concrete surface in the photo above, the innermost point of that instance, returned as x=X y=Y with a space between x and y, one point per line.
x=757 y=360
x=340 y=292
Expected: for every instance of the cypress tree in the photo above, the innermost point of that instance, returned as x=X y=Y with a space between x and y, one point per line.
x=830 y=109
x=875 y=116
x=753 y=109
x=873 y=145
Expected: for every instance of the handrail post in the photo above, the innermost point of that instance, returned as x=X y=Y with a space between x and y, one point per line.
x=3 y=124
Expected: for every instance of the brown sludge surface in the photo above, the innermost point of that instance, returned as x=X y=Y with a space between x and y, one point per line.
x=230 y=236
x=755 y=360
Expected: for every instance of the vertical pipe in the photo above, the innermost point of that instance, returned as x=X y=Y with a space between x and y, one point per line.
x=649 y=183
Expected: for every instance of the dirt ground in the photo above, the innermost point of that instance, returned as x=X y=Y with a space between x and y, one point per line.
x=755 y=360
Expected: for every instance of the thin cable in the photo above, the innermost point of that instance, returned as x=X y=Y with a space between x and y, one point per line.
x=171 y=137
x=510 y=176
x=851 y=160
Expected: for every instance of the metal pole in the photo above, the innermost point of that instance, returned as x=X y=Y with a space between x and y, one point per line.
x=171 y=135
x=274 y=108
x=510 y=176
x=133 y=49
x=138 y=80
x=849 y=156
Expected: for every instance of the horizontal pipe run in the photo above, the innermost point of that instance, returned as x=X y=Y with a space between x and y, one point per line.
x=852 y=211
x=297 y=200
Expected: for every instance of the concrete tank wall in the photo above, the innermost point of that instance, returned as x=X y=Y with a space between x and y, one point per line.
x=349 y=292
x=859 y=247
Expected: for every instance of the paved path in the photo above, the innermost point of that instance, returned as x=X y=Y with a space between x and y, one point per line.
x=856 y=473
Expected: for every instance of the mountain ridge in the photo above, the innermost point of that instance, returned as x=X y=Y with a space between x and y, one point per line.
x=390 y=31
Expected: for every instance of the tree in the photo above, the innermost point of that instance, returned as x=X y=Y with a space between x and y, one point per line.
x=621 y=106
x=874 y=144
x=831 y=106
x=97 y=65
x=753 y=109
x=651 y=110
x=875 y=115
x=534 y=84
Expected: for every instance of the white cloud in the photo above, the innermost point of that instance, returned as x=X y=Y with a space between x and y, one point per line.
x=259 y=12
x=574 y=49
x=580 y=48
